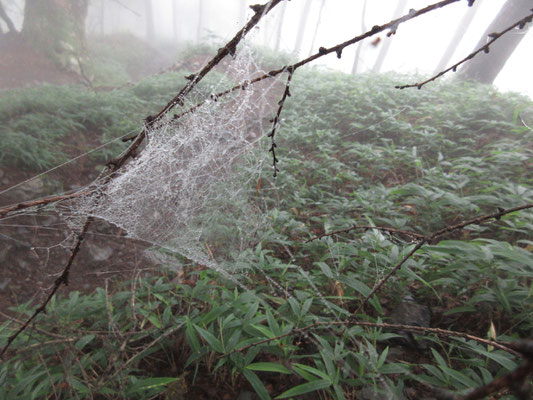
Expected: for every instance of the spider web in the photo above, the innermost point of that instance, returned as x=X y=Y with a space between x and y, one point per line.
x=194 y=188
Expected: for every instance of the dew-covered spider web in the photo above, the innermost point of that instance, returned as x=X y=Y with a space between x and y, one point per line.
x=194 y=187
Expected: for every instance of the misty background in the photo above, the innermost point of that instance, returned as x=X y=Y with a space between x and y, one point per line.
x=301 y=27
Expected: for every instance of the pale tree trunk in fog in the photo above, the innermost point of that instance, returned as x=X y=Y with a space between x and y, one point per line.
x=485 y=67
x=458 y=35
x=301 y=27
x=316 y=27
x=7 y=20
x=102 y=17
x=149 y=16
x=175 y=19
x=200 y=20
x=280 y=25
x=358 y=50
x=387 y=42
x=57 y=29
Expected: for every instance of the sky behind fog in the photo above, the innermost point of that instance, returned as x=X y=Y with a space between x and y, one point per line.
x=417 y=46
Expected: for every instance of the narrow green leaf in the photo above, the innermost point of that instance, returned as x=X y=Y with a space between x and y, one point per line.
x=258 y=386
x=210 y=339
x=269 y=366
x=84 y=341
x=305 y=388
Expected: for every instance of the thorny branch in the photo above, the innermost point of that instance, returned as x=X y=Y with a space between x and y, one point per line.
x=115 y=165
x=486 y=49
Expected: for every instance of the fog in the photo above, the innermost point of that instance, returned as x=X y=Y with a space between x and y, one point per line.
x=417 y=47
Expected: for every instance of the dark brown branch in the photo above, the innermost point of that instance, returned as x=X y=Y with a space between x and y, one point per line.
x=40 y=202
x=61 y=280
x=367 y=227
x=507 y=347
x=514 y=380
x=429 y=238
x=276 y=121
x=325 y=51
x=486 y=48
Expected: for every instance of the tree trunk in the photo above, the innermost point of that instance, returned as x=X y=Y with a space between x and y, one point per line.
x=200 y=26
x=7 y=20
x=316 y=27
x=280 y=25
x=175 y=23
x=149 y=16
x=301 y=28
x=360 y=44
x=458 y=35
x=57 y=28
x=102 y=17
x=485 y=67
x=387 y=42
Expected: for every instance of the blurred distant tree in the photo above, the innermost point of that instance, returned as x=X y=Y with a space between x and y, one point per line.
x=149 y=16
x=457 y=36
x=485 y=68
x=400 y=6
x=359 y=45
x=175 y=23
x=6 y=19
x=57 y=28
x=200 y=25
x=279 y=28
x=301 y=28
x=316 y=27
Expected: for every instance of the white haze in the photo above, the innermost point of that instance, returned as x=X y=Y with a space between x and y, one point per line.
x=417 y=47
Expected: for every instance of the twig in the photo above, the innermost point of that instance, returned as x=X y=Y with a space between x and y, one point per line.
x=486 y=48
x=276 y=121
x=507 y=347
x=61 y=280
x=428 y=238
x=516 y=380
x=393 y=24
x=367 y=227
x=432 y=236
x=40 y=202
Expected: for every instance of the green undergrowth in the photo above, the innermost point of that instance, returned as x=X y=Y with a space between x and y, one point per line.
x=353 y=151
x=45 y=126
